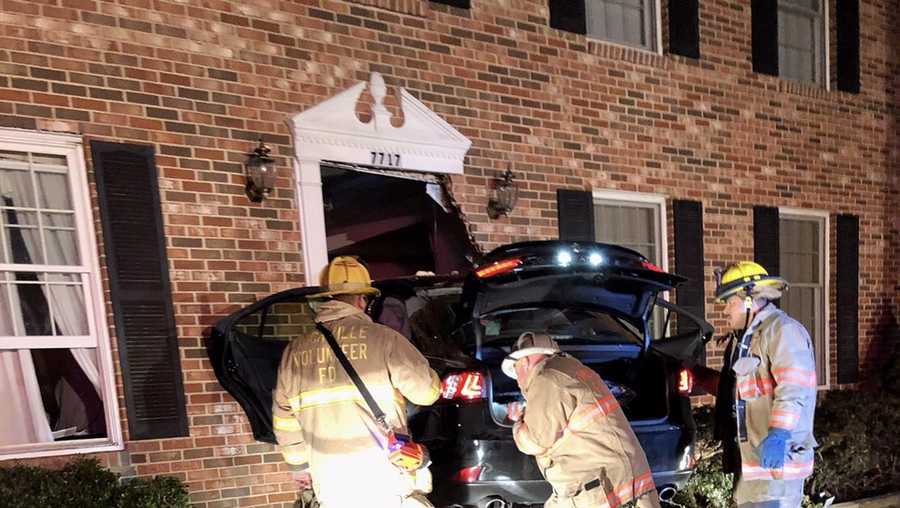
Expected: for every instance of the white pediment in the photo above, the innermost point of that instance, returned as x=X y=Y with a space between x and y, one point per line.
x=332 y=131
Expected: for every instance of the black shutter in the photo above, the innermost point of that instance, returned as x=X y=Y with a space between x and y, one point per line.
x=766 y=240
x=139 y=286
x=576 y=215
x=688 y=219
x=847 y=314
x=462 y=4
x=764 y=28
x=568 y=15
x=847 y=18
x=684 y=28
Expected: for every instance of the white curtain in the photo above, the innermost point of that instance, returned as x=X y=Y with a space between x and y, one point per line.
x=17 y=372
x=24 y=420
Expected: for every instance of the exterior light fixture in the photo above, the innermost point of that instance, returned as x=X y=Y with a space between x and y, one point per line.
x=260 y=172
x=504 y=197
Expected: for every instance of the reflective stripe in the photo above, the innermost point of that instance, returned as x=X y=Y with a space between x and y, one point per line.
x=751 y=470
x=784 y=419
x=631 y=489
x=801 y=377
x=754 y=387
x=286 y=424
x=344 y=393
x=584 y=414
x=294 y=455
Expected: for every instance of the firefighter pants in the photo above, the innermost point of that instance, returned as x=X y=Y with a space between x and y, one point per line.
x=595 y=498
x=769 y=494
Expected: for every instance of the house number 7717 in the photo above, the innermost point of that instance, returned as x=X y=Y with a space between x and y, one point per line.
x=385 y=159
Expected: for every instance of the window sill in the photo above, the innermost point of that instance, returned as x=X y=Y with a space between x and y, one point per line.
x=802 y=88
x=411 y=7
x=61 y=448
x=614 y=51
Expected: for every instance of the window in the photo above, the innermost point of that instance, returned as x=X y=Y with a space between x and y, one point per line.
x=628 y=22
x=800 y=40
x=635 y=221
x=803 y=265
x=630 y=221
x=55 y=363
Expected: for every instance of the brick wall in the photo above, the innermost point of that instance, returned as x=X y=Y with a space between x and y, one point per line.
x=201 y=81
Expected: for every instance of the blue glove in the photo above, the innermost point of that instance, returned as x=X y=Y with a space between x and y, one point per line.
x=773 y=448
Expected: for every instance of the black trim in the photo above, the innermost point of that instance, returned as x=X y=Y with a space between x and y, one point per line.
x=462 y=4
x=575 y=211
x=568 y=15
x=847 y=301
x=684 y=28
x=687 y=217
x=141 y=295
x=767 y=239
x=847 y=19
x=764 y=34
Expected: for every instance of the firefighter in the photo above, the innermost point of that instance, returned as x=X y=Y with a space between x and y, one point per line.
x=572 y=424
x=328 y=434
x=766 y=391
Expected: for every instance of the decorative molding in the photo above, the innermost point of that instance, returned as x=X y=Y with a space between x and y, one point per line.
x=331 y=130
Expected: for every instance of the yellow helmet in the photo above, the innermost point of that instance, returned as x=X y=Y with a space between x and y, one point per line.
x=345 y=275
x=744 y=276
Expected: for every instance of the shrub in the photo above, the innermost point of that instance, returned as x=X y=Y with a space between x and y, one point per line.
x=85 y=484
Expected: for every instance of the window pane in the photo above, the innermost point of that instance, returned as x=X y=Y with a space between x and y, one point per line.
x=633 y=24
x=615 y=21
x=7 y=326
x=29 y=306
x=55 y=396
x=629 y=226
x=60 y=244
x=23 y=237
x=67 y=298
x=53 y=191
x=16 y=188
x=31 y=313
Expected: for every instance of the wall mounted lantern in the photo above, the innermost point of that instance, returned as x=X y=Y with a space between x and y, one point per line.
x=504 y=196
x=260 y=173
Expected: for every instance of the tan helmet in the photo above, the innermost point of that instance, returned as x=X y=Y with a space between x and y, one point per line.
x=529 y=343
x=345 y=275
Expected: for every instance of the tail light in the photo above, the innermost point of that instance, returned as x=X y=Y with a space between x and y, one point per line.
x=685 y=382
x=498 y=267
x=650 y=266
x=466 y=386
x=468 y=474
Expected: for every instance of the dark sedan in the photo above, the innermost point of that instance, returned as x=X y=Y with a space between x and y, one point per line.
x=602 y=303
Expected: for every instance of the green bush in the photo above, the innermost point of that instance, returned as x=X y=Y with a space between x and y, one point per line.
x=83 y=483
x=856 y=458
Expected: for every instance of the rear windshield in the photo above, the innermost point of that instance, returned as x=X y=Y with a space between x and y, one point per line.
x=568 y=325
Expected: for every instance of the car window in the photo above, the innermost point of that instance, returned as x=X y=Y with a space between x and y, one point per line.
x=571 y=325
x=284 y=321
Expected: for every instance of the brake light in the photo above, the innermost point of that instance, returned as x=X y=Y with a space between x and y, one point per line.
x=650 y=266
x=497 y=267
x=685 y=382
x=468 y=474
x=466 y=386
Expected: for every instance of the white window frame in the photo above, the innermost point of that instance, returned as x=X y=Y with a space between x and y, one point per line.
x=824 y=218
x=823 y=75
x=641 y=199
x=656 y=25
x=71 y=146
